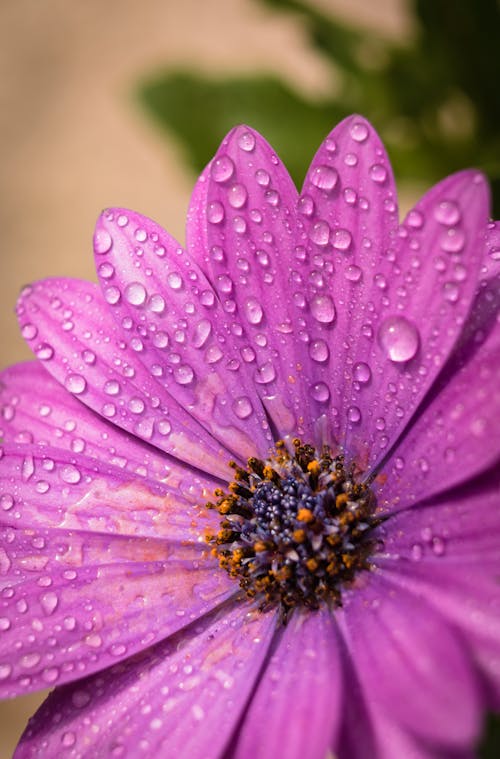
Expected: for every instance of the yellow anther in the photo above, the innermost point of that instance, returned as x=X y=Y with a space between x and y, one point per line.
x=341 y=500
x=314 y=467
x=305 y=515
x=312 y=564
x=259 y=546
x=299 y=535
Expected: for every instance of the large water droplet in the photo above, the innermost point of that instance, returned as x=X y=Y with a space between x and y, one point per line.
x=183 y=374
x=323 y=309
x=44 y=352
x=135 y=293
x=341 y=239
x=399 y=338
x=320 y=233
x=452 y=240
x=201 y=333
x=324 y=177
x=320 y=392
x=222 y=168
x=359 y=131
x=237 y=196
x=265 y=373
x=378 y=173
x=319 y=351
x=215 y=212
x=447 y=212
x=246 y=141
x=102 y=241
x=242 y=407
x=362 y=372
x=253 y=311
x=75 y=384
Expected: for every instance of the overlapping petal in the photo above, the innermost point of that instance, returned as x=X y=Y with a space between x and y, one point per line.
x=181 y=698
x=72 y=603
x=307 y=664
x=55 y=418
x=66 y=322
x=411 y=663
x=174 y=321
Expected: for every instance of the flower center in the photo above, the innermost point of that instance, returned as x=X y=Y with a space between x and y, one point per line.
x=295 y=528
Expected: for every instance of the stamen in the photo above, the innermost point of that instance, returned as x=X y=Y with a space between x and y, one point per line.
x=295 y=527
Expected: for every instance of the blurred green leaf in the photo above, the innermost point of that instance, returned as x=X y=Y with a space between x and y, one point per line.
x=490 y=745
x=434 y=100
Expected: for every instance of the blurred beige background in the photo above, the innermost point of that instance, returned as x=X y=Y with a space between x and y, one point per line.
x=74 y=140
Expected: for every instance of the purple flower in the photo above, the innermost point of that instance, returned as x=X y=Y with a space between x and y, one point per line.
x=336 y=585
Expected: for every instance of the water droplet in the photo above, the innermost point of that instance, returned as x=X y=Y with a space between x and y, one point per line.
x=447 y=212
x=353 y=273
x=102 y=241
x=362 y=372
x=135 y=293
x=215 y=212
x=320 y=233
x=29 y=331
x=399 y=338
x=70 y=474
x=253 y=311
x=438 y=546
x=262 y=177
x=359 y=131
x=68 y=739
x=80 y=698
x=265 y=373
x=49 y=602
x=305 y=205
x=319 y=351
x=75 y=384
x=452 y=240
x=342 y=239
x=451 y=292
x=246 y=141
x=378 y=173
x=201 y=333
x=354 y=414
x=157 y=304
x=323 y=309
x=5 y=670
x=242 y=407
x=415 y=219
x=174 y=281
x=237 y=196
x=6 y=501
x=183 y=374
x=320 y=392
x=324 y=177
x=222 y=168
x=207 y=298
x=112 y=295
x=44 y=352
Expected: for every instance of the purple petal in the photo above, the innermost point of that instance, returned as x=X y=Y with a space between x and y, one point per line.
x=411 y=663
x=83 y=349
x=491 y=261
x=181 y=698
x=47 y=487
x=297 y=707
x=73 y=603
x=448 y=552
x=53 y=417
x=387 y=343
x=457 y=435
x=174 y=321
x=242 y=227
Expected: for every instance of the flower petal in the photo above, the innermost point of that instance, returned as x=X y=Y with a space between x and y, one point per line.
x=66 y=322
x=307 y=664
x=411 y=663
x=72 y=603
x=174 y=321
x=491 y=261
x=242 y=227
x=53 y=417
x=181 y=698
x=457 y=433
x=47 y=487
x=393 y=294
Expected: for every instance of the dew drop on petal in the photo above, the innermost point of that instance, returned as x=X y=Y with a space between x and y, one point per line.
x=399 y=338
x=415 y=219
x=253 y=311
x=246 y=141
x=222 y=168
x=237 y=196
x=174 y=281
x=353 y=273
x=378 y=173
x=75 y=384
x=183 y=374
x=215 y=212
x=341 y=239
x=320 y=392
x=324 y=177
x=452 y=240
x=354 y=414
x=70 y=474
x=359 y=131
x=135 y=293
x=319 y=351
x=201 y=333
x=44 y=352
x=362 y=372
x=305 y=205
x=447 y=212
x=323 y=309
x=29 y=331
x=262 y=177
x=265 y=373
x=320 y=233
x=102 y=241
x=242 y=407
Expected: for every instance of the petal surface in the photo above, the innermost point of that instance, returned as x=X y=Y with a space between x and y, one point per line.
x=297 y=708
x=66 y=323
x=456 y=435
x=180 y=699
x=175 y=323
x=72 y=603
x=35 y=408
x=412 y=664
x=393 y=290
x=243 y=229
x=47 y=487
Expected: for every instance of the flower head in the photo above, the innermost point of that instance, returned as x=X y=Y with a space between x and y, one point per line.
x=248 y=496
